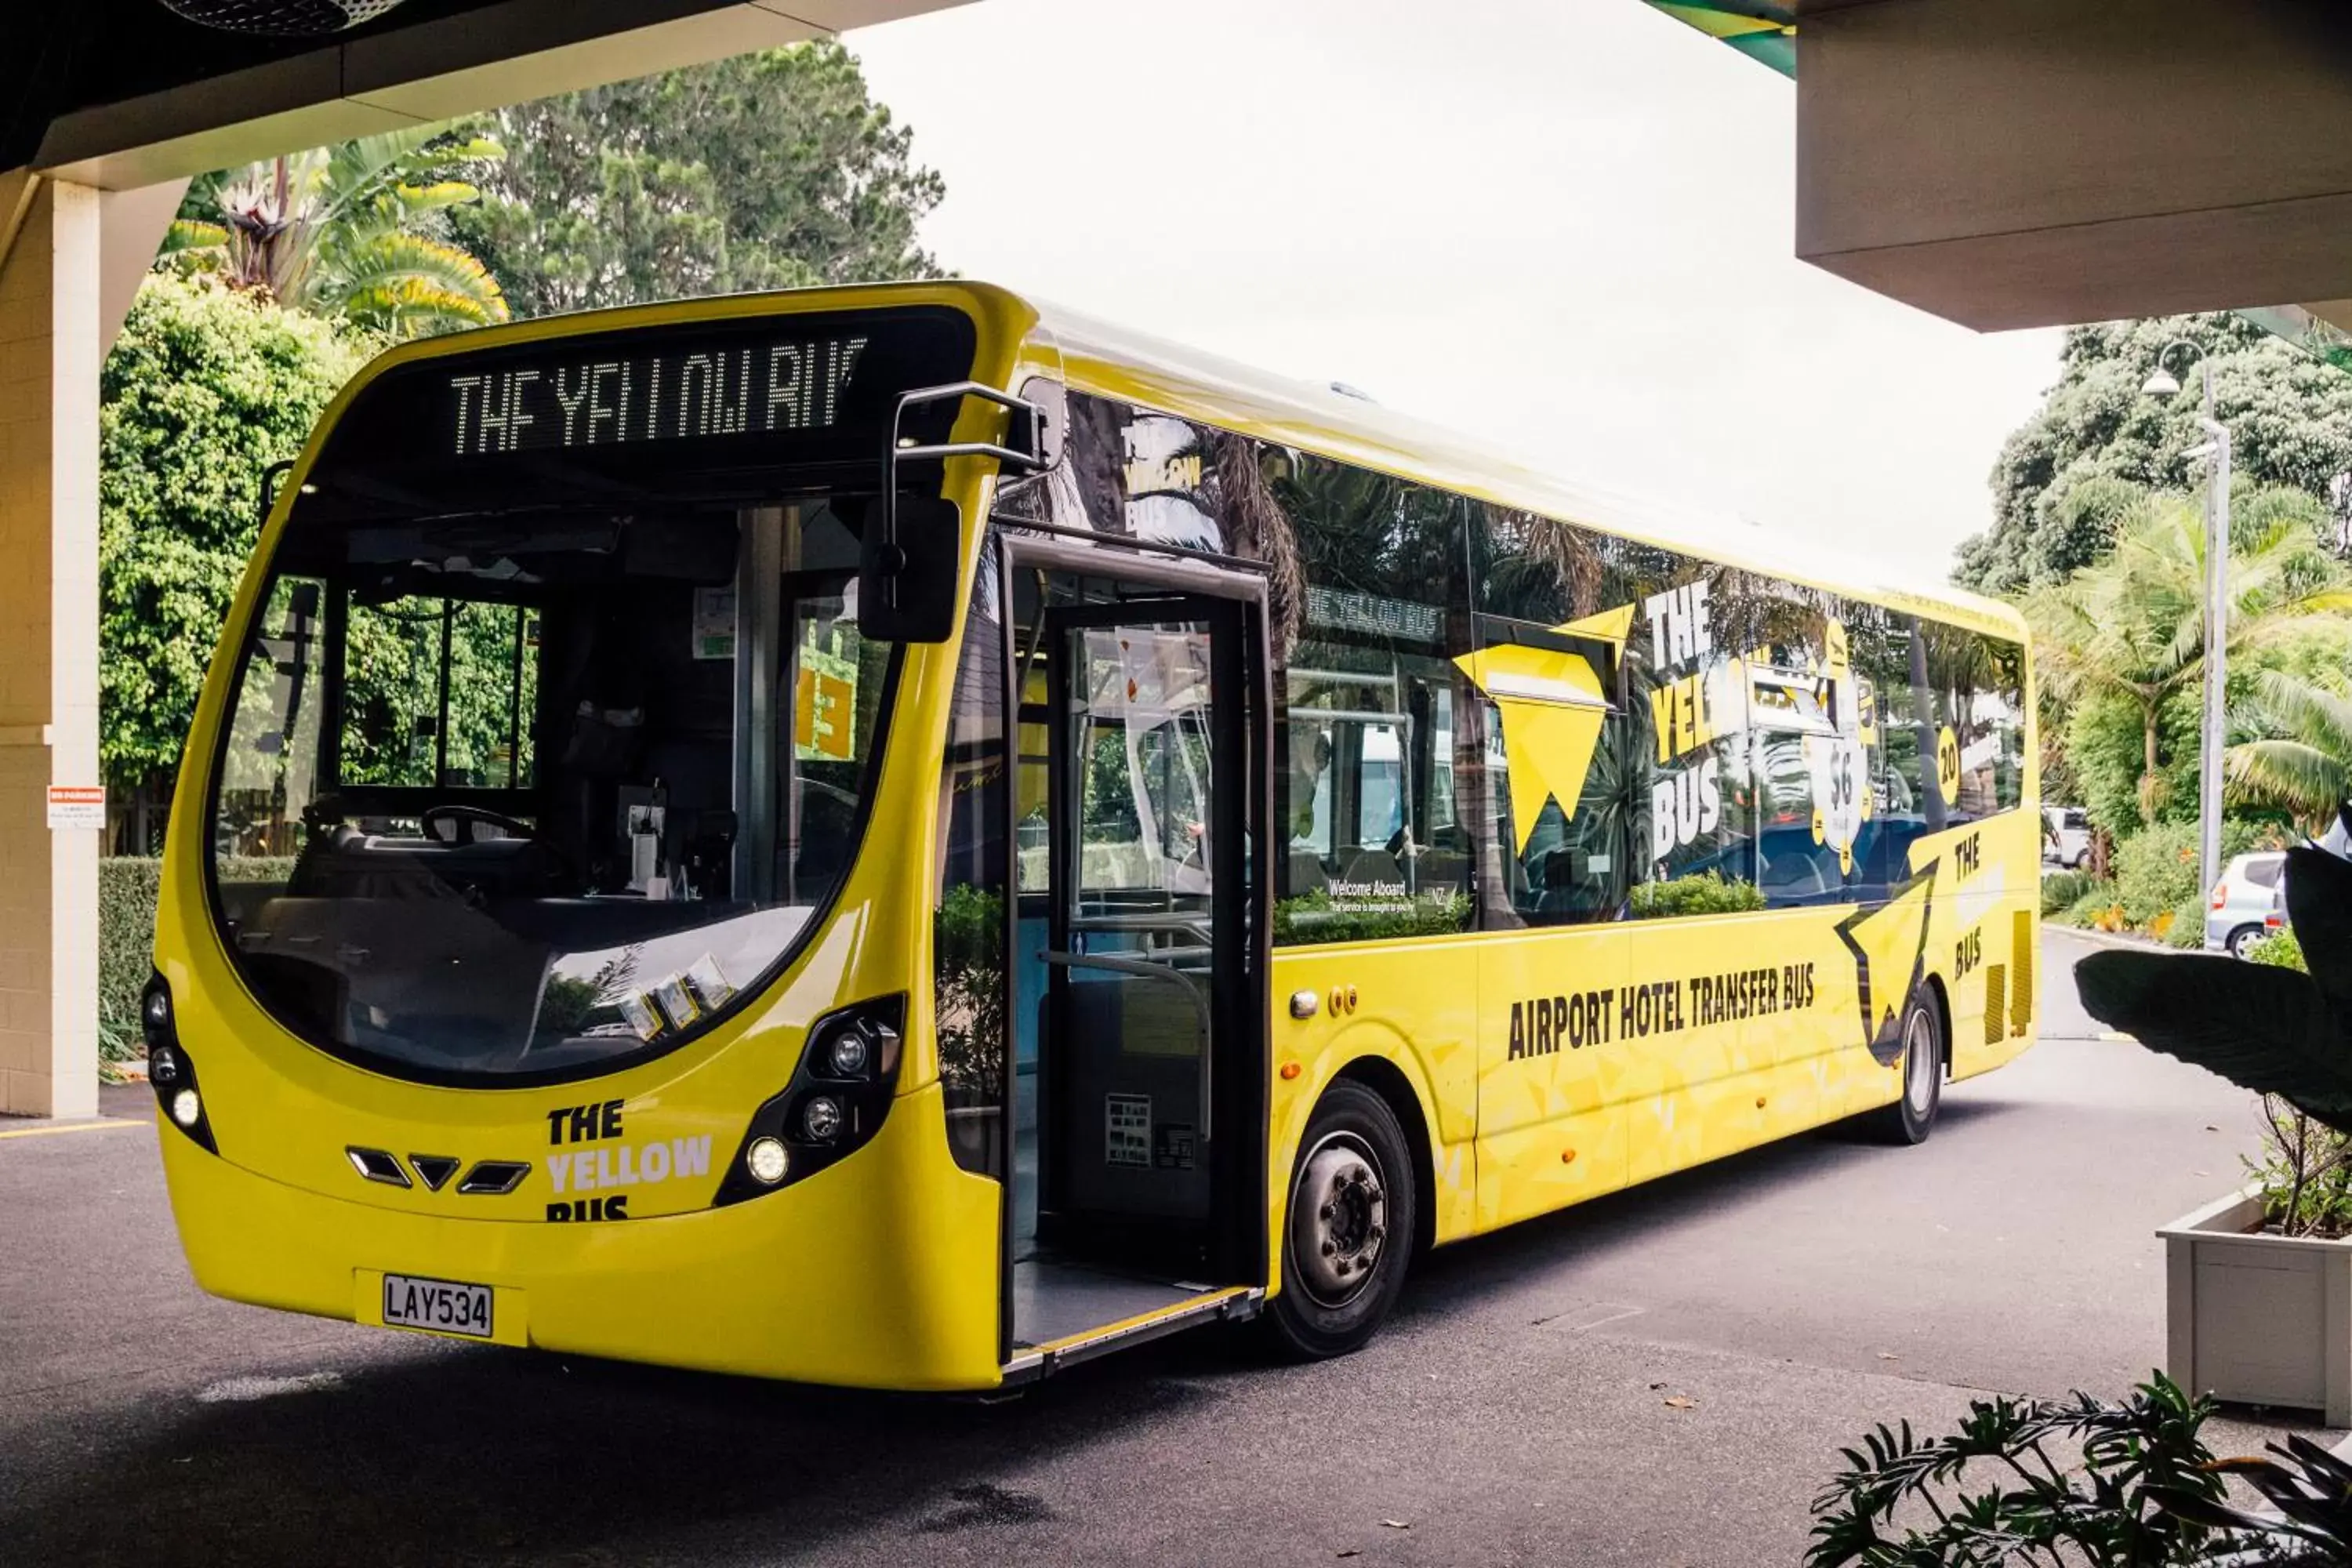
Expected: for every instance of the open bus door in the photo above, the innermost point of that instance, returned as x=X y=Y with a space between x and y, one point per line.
x=1140 y=930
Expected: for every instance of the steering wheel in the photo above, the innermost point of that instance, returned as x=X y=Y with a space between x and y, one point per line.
x=468 y=818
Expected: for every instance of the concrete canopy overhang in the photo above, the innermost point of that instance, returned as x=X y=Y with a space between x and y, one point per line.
x=2031 y=162
x=119 y=94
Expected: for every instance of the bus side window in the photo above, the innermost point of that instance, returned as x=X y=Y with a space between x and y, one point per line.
x=1376 y=845
x=1700 y=775
x=1569 y=870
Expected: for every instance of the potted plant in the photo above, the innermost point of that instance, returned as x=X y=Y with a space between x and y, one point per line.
x=2259 y=1299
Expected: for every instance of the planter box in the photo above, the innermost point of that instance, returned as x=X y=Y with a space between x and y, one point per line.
x=2258 y=1320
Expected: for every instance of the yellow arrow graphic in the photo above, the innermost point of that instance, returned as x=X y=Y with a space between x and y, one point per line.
x=1551 y=706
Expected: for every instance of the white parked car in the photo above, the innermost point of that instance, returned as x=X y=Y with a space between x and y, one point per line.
x=2065 y=837
x=2242 y=902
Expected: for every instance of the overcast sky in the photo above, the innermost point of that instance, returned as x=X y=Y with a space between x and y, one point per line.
x=1563 y=224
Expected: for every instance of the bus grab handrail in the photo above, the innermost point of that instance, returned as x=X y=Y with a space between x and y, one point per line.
x=1144 y=971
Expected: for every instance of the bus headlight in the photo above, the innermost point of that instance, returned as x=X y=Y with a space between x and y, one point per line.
x=766 y=1161
x=821 y=1118
x=854 y=1043
x=170 y=1071
x=840 y=1091
x=849 y=1053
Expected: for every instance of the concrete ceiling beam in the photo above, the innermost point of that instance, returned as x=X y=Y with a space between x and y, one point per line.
x=479 y=60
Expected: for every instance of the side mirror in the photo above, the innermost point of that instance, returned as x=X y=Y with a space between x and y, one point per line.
x=907 y=565
x=907 y=585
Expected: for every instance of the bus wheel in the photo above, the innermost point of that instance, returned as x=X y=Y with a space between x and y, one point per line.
x=1351 y=1218
x=1913 y=1116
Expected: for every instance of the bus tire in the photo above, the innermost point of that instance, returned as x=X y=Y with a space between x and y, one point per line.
x=1349 y=1227
x=1913 y=1115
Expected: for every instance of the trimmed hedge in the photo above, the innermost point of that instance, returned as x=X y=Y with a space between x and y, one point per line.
x=127 y=889
x=127 y=886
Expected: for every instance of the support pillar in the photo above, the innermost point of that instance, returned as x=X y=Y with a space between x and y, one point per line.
x=50 y=349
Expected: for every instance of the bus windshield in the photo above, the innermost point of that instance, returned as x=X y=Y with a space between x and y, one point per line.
x=531 y=806
x=546 y=749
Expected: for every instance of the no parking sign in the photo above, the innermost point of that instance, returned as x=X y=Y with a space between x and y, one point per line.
x=78 y=806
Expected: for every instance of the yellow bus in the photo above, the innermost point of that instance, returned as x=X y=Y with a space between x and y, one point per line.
x=897 y=836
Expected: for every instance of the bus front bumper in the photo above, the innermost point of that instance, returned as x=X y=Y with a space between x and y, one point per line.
x=878 y=1272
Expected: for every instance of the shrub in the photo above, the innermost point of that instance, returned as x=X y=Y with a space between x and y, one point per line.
x=2159 y=872
x=2156 y=871
x=2186 y=926
x=204 y=388
x=2062 y=889
x=2305 y=1172
x=1705 y=894
x=2096 y=906
x=2279 y=952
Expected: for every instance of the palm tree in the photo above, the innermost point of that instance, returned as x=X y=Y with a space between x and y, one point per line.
x=353 y=231
x=2132 y=625
x=2308 y=768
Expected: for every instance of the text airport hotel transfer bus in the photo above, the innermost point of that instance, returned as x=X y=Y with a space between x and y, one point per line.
x=888 y=836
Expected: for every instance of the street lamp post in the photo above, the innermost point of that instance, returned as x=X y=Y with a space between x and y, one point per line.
x=2216 y=608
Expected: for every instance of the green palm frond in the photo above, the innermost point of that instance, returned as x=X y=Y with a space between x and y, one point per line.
x=352 y=230
x=403 y=284
x=360 y=170
x=2317 y=716
x=414 y=199
x=189 y=235
x=2308 y=768
x=2302 y=779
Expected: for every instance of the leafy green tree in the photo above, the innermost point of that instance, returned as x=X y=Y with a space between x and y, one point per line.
x=358 y=231
x=205 y=389
x=2122 y=642
x=766 y=171
x=2068 y=476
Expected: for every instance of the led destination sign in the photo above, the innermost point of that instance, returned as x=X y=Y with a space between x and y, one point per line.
x=672 y=409
x=782 y=383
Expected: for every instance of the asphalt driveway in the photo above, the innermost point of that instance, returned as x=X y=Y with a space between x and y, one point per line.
x=1517 y=1411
